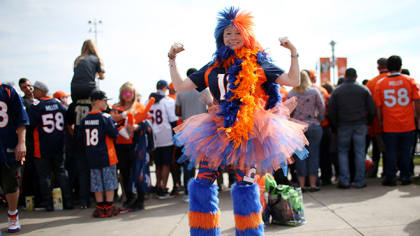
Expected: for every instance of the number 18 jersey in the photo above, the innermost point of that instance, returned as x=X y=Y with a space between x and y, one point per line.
x=97 y=133
x=394 y=94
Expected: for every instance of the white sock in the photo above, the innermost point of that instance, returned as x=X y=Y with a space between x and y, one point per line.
x=13 y=212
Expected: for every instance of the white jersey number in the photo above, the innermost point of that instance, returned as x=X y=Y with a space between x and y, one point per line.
x=50 y=122
x=391 y=100
x=3 y=115
x=92 y=138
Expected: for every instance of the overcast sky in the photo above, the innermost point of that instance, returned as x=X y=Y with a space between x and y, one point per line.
x=39 y=39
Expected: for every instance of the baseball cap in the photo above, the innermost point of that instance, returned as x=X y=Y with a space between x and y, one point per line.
x=60 y=94
x=161 y=84
x=40 y=85
x=98 y=95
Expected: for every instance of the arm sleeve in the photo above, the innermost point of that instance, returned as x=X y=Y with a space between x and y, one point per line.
x=272 y=72
x=370 y=107
x=178 y=99
x=198 y=78
x=111 y=130
x=18 y=109
x=99 y=67
x=320 y=105
x=378 y=95
x=332 y=112
x=170 y=110
x=415 y=94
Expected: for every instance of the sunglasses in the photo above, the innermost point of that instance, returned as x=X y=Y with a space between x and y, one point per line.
x=128 y=93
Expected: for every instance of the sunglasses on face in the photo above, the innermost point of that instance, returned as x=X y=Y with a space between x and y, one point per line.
x=126 y=93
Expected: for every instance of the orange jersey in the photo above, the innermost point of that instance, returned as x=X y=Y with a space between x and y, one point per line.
x=394 y=95
x=375 y=127
x=372 y=82
x=117 y=109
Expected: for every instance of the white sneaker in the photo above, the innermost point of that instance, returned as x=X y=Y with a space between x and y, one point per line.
x=14 y=225
x=186 y=199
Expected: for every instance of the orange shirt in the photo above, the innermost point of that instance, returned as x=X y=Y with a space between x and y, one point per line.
x=375 y=127
x=117 y=109
x=394 y=95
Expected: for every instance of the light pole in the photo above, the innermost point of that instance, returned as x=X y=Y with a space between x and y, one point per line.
x=332 y=64
x=95 y=23
x=95 y=29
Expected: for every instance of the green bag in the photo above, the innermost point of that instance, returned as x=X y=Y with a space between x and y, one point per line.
x=285 y=203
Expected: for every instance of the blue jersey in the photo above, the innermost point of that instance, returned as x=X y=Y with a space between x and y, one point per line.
x=97 y=133
x=12 y=116
x=217 y=80
x=47 y=123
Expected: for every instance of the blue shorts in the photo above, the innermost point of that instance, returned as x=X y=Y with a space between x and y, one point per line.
x=103 y=179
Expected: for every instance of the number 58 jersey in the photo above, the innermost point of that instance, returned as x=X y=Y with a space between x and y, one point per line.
x=163 y=114
x=395 y=94
x=47 y=122
x=97 y=133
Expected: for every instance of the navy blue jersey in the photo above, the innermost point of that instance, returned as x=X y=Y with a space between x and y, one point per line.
x=12 y=116
x=97 y=133
x=47 y=123
x=218 y=81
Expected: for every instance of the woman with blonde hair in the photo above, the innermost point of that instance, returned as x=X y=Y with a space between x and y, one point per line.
x=87 y=67
x=129 y=115
x=311 y=110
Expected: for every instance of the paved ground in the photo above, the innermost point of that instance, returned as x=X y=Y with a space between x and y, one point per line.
x=375 y=210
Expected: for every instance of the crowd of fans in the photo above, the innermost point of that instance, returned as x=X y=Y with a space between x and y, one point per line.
x=89 y=147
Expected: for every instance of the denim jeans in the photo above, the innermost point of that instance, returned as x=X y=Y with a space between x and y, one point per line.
x=398 y=143
x=346 y=135
x=309 y=166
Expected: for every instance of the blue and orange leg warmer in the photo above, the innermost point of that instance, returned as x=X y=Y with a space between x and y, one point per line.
x=204 y=213
x=247 y=209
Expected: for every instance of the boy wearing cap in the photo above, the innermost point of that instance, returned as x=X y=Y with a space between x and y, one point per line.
x=97 y=131
x=47 y=124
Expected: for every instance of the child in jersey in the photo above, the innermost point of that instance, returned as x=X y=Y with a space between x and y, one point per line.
x=97 y=132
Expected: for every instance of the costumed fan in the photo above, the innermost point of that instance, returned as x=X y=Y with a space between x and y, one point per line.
x=249 y=129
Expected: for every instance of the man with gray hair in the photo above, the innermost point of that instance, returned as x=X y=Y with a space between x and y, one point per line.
x=351 y=109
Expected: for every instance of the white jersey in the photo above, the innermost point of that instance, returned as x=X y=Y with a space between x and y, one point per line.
x=163 y=113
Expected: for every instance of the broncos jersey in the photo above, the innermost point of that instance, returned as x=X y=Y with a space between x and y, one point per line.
x=47 y=122
x=97 y=133
x=12 y=116
x=163 y=114
x=216 y=79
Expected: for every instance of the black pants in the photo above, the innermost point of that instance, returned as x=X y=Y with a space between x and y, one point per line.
x=325 y=159
x=125 y=154
x=80 y=175
x=44 y=167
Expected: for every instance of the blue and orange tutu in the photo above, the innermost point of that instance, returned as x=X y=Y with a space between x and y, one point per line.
x=274 y=139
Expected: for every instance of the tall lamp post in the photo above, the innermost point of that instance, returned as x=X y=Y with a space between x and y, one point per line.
x=332 y=64
x=95 y=23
